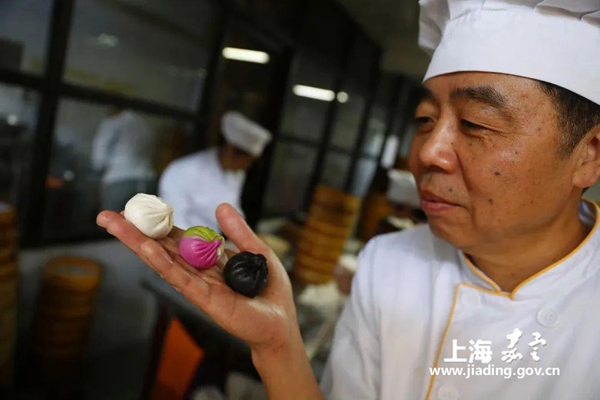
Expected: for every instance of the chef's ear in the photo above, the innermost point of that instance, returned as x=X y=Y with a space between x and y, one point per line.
x=588 y=163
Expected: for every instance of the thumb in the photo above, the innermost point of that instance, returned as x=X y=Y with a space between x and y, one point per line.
x=238 y=231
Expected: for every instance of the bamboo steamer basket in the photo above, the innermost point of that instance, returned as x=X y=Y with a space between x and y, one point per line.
x=310 y=269
x=315 y=278
x=50 y=327
x=73 y=337
x=7 y=254
x=313 y=238
x=9 y=280
x=55 y=299
x=72 y=273
x=332 y=216
x=64 y=352
x=8 y=270
x=8 y=322
x=314 y=264
x=337 y=199
x=8 y=336
x=325 y=253
x=7 y=348
x=63 y=320
x=8 y=300
x=7 y=214
x=8 y=291
x=8 y=233
x=328 y=229
x=331 y=219
x=65 y=313
x=376 y=207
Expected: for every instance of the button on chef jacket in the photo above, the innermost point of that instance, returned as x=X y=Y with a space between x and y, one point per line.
x=195 y=186
x=415 y=298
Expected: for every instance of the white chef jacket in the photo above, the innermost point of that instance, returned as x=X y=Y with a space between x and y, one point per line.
x=123 y=148
x=195 y=186
x=414 y=294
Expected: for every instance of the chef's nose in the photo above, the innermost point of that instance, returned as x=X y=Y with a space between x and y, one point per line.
x=439 y=151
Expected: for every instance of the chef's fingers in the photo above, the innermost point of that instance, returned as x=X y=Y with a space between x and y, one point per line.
x=119 y=227
x=176 y=233
x=170 y=244
x=230 y=253
x=227 y=254
x=161 y=257
x=174 y=273
x=129 y=235
x=238 y=231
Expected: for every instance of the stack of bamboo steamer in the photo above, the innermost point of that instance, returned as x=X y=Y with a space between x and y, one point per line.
x=376 y=207
x=331 y=220
x=63 y=321
x=9 y=278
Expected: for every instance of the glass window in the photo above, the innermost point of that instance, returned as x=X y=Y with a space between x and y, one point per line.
x=304 y=116
x=378 y=118
x=407 y=139
x=155 y=50
x=275 y=13
x=24 y=34
x=241 y=85
x=325 y=32
x=290 y=176
x=101 y=157
x=315 y=70
x=18 y=112
x=335 y=170
x=352 y=97
x=363 y=176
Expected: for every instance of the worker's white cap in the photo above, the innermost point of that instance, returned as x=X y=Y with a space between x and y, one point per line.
x=556 y=41
x=403 y=188
x=244 y=133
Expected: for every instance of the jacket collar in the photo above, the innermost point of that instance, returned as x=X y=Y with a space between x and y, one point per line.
x=562 y=275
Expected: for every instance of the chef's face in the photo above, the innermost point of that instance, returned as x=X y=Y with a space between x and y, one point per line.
x=237 y=159
x=487 y=159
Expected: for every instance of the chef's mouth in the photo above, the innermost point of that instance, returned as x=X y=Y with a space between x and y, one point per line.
x=431 y=197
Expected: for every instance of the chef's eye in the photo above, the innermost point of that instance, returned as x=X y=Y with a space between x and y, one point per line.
x=424 y=123
x=471 y=126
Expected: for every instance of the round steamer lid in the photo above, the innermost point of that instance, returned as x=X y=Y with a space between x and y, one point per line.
x=75 y=273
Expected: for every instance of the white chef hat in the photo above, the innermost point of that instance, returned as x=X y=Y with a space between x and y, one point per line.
x=556 y=41
x=403 y=188
x=244 y=133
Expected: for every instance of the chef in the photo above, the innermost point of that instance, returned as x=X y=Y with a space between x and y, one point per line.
x=404 y=196
x=196 y=184
x=496 y=298
x=122 y=151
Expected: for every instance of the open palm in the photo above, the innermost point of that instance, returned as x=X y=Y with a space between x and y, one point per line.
x=264 y=321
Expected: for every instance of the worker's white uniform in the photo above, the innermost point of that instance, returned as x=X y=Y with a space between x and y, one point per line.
x=414 y=294
x=123 y=149
x=195 y=186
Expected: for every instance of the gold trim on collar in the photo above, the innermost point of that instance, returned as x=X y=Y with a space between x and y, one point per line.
x=512 y=294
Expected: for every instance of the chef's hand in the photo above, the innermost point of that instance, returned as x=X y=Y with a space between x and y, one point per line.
x=266 y=322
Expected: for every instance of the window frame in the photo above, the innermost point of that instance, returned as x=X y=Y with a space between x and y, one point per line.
x=52 y=88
